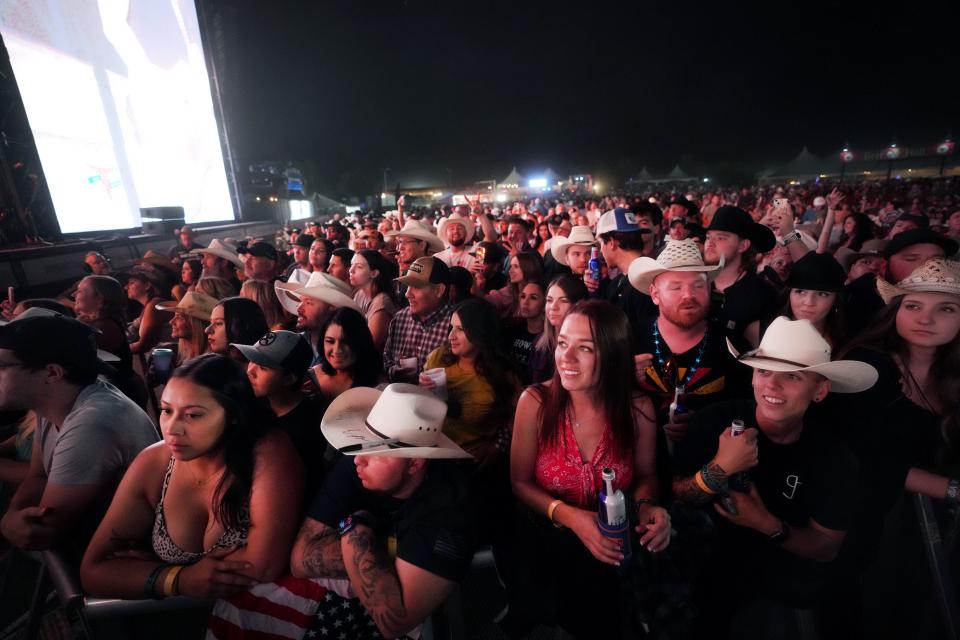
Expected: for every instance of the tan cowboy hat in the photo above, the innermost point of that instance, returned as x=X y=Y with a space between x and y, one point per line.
x=578 y=235
x=402 y=421
x=321 y=286
x=796 y=345
x=455 y=218
x=194 y=303
x=151 y=257
x=677 y=255
x=937 y=275
x=414 y=229
x=222 y=250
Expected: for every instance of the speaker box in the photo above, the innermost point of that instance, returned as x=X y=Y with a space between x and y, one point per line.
x=161 y=220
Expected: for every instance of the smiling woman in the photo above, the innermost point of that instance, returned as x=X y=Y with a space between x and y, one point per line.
x=588 y=417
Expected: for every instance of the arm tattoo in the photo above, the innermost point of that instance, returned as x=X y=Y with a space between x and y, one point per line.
x=687 y=489
x=322 y=557
x=379 y=588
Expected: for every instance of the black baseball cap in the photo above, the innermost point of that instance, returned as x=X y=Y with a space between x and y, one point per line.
x=283 y=350
x=261 y=250
x=52 y=338
x=920 y=236
x=304 y=240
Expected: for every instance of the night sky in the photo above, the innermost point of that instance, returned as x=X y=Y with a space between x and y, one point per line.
x=348 y=88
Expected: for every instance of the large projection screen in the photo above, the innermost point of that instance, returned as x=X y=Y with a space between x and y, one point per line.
x=119 y=101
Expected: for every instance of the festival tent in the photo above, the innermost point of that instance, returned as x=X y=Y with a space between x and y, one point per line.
x=513 y=179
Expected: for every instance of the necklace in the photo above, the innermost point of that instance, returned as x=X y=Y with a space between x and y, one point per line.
x=576 y=423
x=197 y=481
x=691 y=370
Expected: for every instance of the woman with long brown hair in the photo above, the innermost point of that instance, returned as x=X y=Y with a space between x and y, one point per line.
x=523 y=267
x=589 y=417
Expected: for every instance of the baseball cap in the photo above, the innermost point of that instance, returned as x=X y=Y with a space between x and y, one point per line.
x=619 y=219
x=52 y=338
x=304 y=240
x=260 y=249
x=920 y=236
x=284 y=350
x=921 y=221
x=424 y=271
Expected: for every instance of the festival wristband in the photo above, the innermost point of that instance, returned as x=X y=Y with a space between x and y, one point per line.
x=169 y=579
x=151 y=581
x=551 y=508
x=698 y=478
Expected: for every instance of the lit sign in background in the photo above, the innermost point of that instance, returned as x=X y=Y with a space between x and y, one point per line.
x=118 y=98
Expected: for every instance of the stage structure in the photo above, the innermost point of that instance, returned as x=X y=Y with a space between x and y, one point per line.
x=119 y=101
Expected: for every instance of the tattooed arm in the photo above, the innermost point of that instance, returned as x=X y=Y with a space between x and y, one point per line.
x=687 y=490
x=316 y=552
x=397 y=595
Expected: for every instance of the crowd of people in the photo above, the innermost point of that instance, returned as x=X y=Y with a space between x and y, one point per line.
x=329 y=427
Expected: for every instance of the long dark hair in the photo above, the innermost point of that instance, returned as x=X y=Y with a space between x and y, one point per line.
x=616 y=385
x=835 y=326
x=882 y=336
x=227 y=382
x=388 y=271
x=575 y=290
x=481 y=323
x=114 y=305
x=196 y=268
x=244 y=320
x=862 y=233
x=368 y=362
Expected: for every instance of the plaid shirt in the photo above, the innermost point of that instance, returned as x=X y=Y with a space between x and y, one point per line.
x=409 y=337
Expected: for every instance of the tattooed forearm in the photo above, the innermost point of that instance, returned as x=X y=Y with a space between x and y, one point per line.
x=321 y=556
x=373 y=575
x=688 y=490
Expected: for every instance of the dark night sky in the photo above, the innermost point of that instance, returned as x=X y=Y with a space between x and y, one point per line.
x=351 y=87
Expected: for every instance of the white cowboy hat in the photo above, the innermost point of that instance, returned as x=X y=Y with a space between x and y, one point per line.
x=414 y=229
x=677 y=255
x=194 y=303
x=321 y=286
x=578 y=235
x=937 y=275
x=796 y=345
x=402 y=421
x=222 y=250
x=457 y=219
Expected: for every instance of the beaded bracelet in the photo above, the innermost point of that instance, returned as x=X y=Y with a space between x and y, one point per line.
x=152 y=581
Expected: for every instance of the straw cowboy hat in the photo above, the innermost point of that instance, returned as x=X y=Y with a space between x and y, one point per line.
x=796 y=345
x=935 y=276
x=194 y=303
x=578 y=235
x=455 y=218
x=321 y=286
x=402 y=421
x=414 y=229
x=151 y=257
x=677 y=255
x=222 y=250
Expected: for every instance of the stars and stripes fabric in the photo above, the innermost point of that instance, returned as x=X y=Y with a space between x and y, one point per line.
x=294 y=609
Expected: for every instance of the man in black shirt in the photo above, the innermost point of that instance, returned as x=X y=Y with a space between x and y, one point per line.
x=734 y=241
x=395 y=520
x=781 y=526
x=622 y=241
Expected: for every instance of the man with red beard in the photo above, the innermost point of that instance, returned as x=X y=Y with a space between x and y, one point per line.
x=687 y=353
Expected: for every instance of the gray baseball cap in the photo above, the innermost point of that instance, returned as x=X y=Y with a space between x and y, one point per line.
x=284 y=350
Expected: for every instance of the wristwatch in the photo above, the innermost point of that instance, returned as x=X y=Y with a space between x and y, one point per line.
x=790 y=237
x=780 y=535
x=953 y=492
x=358 y=517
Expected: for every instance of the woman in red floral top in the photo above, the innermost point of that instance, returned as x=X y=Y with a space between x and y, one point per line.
x=589 y=416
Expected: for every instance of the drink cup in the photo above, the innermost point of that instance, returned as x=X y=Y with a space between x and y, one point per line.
x=162 y=361
x=439 y=377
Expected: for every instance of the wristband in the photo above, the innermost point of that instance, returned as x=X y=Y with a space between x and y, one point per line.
x=781 y=535
x=790 y=237
x=698 y=478
x=715 y=485
x=551 y=508
x=169 y=579
x=152 y=580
